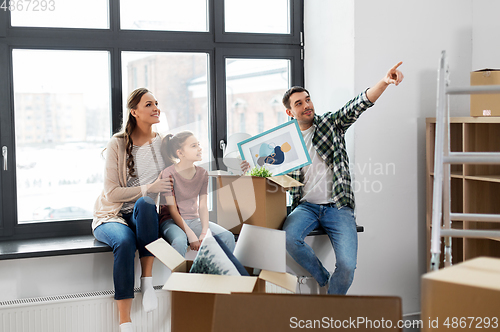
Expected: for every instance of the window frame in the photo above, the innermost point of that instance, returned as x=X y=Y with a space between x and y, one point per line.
x=294 y=37
x=218 y=44
x=223 y=53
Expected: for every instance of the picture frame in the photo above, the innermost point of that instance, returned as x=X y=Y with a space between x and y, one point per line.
x=281 y=149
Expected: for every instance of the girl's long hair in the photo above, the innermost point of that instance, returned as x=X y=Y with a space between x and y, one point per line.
x=129 y=126
x=170 y=144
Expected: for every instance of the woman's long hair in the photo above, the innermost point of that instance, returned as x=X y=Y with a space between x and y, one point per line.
x=129 y=126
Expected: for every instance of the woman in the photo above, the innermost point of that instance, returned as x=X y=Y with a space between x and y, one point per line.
x=125 y=216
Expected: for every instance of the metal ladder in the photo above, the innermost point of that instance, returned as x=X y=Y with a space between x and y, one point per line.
x=443 y=158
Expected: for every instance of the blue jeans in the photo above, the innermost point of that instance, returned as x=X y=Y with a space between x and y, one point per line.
x=340 y=225
x=174 y=235
x=142 y=229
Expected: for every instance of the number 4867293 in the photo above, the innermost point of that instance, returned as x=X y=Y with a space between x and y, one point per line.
x=28 y=5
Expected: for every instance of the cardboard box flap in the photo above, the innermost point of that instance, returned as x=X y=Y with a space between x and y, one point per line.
x=209 y=283
x=485 y=69
x=218 y=173
x=224 y=174
x=284 y=280
x=166 y=254
x=481 y=272
x=261 y=248
x=285 y=181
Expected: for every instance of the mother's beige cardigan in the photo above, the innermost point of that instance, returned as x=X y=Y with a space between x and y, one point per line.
x=108 y=204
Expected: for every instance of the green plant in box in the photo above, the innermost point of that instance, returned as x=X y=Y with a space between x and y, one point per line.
x=261 y=172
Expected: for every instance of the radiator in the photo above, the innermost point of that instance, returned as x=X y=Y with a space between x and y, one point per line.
x=272 y=288
x=86 y=312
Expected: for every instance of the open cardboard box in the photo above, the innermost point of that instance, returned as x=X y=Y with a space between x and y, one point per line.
x=468 y=291
x=193 y=294
x=214 y=303
x=252 y=200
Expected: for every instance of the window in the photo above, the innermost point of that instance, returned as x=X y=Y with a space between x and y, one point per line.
x=58 y=164
x=69 y=70
x=260 y=122
x=134 y=77
x=250 y=84
x=180 y=85
x=164 y=15
x=243 y=123
x=91 y=14
x=257 y=16
x=281 y=117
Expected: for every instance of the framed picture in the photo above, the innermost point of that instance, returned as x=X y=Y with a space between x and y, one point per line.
x=281 y=149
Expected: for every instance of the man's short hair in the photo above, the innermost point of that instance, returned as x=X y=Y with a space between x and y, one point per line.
x=290 y=92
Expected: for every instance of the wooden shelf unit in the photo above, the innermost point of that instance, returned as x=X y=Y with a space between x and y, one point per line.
x=474 y=188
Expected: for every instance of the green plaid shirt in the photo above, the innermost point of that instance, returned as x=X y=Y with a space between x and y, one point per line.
x=329 y=142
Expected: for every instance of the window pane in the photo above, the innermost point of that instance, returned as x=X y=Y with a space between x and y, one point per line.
x=257 y=16
x=62 y=123
x=165 y=15
x=92 y=14
x=179 y=83
x=254 y=92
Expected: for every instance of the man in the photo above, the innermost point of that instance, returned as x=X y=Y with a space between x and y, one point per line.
x=327 y=199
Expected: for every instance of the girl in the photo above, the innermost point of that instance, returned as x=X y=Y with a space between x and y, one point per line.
x=125 y=216
x=187 y=202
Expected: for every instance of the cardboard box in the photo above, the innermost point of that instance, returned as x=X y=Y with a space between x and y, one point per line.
x=485 y=104
x=213 y=303
x=290 y=312
x=193 y=295
x=252 y=200
x=469 y=291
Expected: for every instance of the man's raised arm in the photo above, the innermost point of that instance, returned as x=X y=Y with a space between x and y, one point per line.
x=393 y=76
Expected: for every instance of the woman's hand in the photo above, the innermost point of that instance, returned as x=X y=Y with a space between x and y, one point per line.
x=161 y=185
x=245 y=166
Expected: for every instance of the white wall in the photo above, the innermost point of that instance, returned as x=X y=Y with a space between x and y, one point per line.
x=34 y=277
x=329 y=52
x=59 y=275
x=392 y=252
x=485 y=35
x=349 y=46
